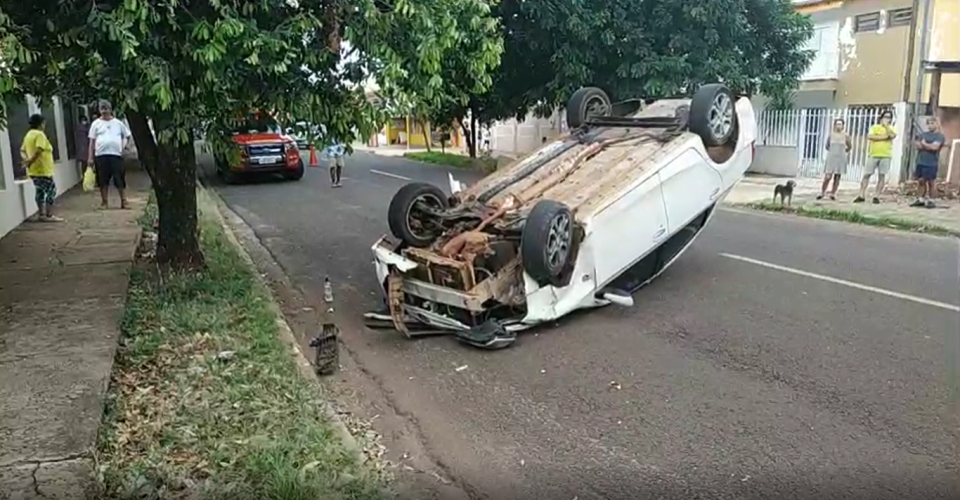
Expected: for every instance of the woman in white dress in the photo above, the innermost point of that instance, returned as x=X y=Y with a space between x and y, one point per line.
x=838 y=148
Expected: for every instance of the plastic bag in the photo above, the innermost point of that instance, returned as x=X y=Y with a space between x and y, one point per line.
x=89 y=180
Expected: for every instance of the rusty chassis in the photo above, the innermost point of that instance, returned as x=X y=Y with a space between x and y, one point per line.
x=470 y=281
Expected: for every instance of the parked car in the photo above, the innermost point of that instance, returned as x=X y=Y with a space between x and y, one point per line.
x=583 y=222
x=261 y=148
x=298 y=135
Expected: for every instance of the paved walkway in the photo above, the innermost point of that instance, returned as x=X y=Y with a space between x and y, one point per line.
x=62 y=289
x=895 y=205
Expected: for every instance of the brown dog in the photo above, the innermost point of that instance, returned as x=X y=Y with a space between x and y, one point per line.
x=785 y=192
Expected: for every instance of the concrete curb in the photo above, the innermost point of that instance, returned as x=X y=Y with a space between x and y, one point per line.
x=286 y=333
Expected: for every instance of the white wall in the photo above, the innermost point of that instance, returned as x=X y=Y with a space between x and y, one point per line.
x=775 y=160
x=16 y=197
x=518 y=138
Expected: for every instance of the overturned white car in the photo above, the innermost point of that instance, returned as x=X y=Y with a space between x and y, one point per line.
x=583 y=222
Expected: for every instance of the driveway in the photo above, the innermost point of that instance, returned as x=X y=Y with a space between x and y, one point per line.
x=779 y=358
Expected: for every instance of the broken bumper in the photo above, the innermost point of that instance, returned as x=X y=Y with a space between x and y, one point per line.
x=417 y=321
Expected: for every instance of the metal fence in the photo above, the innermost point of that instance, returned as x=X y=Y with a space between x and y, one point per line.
x=808 y=130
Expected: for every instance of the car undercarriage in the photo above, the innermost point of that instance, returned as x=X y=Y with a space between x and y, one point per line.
x=467 y=263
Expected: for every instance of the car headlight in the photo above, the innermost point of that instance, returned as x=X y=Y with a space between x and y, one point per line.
x=289 y=146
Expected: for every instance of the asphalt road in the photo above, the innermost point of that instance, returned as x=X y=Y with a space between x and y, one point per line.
x=831 y=376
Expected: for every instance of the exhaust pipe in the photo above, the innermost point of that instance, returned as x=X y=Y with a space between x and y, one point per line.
x=617 y=297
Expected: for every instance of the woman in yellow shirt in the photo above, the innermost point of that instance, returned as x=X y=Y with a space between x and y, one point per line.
x=37 y=154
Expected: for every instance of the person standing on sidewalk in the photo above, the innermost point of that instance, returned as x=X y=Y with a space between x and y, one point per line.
x=879 y=154
x=108 y=138
x=37 y=154
x=928 y=146
x=82 y=139
x=838 y=147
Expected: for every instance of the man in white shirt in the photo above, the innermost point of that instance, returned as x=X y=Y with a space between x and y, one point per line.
x=108 y=138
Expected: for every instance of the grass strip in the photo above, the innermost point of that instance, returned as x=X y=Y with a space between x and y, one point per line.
x=855 y=217
x=452 y=160
x=206 y=401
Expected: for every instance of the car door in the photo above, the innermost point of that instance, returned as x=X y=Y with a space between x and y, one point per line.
x=690 y=185
x=628 y=229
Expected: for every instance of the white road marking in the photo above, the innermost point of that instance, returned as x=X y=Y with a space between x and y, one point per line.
x=388 y=174
x=851 y=284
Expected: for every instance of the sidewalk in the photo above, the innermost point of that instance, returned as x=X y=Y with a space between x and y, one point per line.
x=62 y=291
x=895 y=206
x=759 y=188
x=390 y=150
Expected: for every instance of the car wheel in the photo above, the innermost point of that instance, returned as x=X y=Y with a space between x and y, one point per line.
x=586 y=103
x=713 y=115
x=296 y=174
x=230 y=177
x=405 y=215
x=546 y=244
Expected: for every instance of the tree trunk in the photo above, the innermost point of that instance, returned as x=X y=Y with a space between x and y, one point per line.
x=473 y=135
x=426 y=134
x=173 y=170
x=469 y=135
x=147 y=150
x=178 y=243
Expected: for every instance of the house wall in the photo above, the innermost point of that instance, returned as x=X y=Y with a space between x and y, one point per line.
x=950 y=127
x=396 y=133
x=513 y=137
x=780 y=161
x=873 y=63
x=16 y=196
x=944 y=46
x=855 y=66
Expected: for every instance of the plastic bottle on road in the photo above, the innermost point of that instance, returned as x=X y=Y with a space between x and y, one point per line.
x=327 y=290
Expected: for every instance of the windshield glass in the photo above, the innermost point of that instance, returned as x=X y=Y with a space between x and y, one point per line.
x=258 y=126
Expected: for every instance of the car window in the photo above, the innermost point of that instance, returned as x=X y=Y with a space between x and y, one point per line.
x=258 y=127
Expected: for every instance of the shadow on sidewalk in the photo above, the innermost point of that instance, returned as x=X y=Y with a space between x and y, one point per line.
x=62 y=290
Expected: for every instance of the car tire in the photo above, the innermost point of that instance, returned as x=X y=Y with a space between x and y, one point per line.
x=230 y=177
x=547 y=242
x=586 y=103
x=403 y=204
x=296 y=174
x=713 y=115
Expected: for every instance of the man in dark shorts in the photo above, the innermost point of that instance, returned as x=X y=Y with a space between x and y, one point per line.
x=928 y=146
x=108 y=138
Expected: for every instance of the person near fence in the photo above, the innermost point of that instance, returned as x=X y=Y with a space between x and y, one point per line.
x=928 y=146
x=37 y=155
x=879 y=155
x=838 y=148
x=82 y=132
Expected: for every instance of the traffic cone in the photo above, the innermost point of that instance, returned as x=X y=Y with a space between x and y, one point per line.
x=313 y=157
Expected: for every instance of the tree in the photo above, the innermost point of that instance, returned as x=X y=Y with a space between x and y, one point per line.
x=465 y=71
x=653 y=48
x=178 y=68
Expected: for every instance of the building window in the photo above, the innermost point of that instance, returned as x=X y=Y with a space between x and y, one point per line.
x=867 y=22
x=50 y=126
x=825 y=45
x=900 y=17
x=18 y=123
